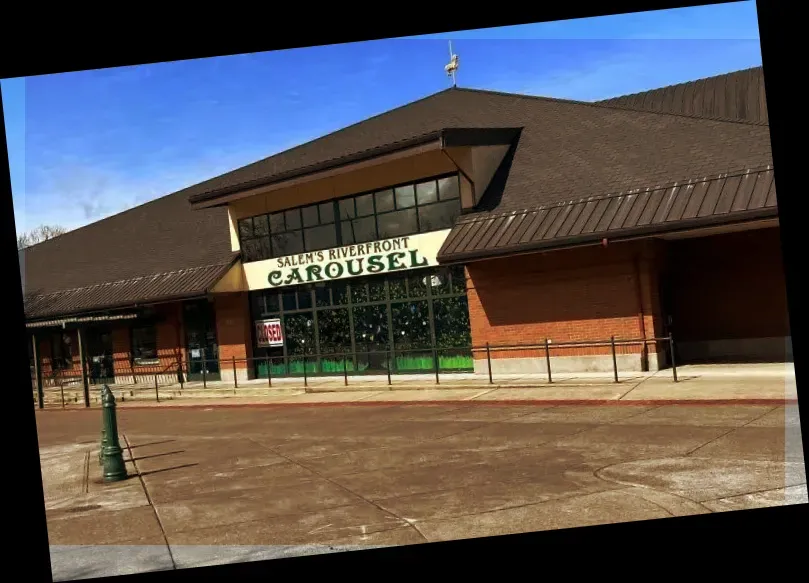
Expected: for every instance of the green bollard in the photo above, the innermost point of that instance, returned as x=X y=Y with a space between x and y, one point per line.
x=114 y=466
x=104 y=390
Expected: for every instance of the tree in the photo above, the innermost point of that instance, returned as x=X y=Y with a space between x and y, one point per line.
x=41 y=233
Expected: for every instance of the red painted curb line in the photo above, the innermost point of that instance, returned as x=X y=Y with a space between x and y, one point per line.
x=505 y=403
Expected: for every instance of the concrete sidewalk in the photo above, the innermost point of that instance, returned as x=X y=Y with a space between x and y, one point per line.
x=742 y=384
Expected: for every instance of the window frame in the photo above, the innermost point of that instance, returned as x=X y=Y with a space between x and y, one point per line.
x=61 y=362
x=246 y=225
x=137 y=360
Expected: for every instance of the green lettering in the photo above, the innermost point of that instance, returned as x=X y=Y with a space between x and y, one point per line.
x=414 y=259
x=313 y=273
x=375 y=264
x=393 y=260
x=294 y=276
x=275 y=278
x=350 y=263
x=334 y=270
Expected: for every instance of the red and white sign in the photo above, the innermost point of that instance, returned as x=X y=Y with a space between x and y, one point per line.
x=269 y=333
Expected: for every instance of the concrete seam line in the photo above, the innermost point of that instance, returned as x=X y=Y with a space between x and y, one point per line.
x=341 y=486
x=731 y=430
x=151 y=503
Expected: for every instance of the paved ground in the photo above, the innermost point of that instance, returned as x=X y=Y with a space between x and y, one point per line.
x=214 y=484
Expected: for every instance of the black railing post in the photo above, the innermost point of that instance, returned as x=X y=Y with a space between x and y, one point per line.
x=436 y=364
x=235 y=380
x=269 y=371
x=305 y=379
x=387 y=365
x=180 y=373
x=489 y=362
x=673 y=361
x=345 y=370
x=204 y=368
x=548 y=360
x=614 y=359
x=156 y=390
x=62 y=390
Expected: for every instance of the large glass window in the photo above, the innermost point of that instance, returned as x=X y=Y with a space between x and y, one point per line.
x=421 y=207
x=403 y=321
x=144 y=345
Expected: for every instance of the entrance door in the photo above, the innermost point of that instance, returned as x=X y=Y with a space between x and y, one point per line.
x=200 y=334
x=99 y=356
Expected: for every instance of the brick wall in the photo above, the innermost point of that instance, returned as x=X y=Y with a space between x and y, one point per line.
x=566 y=296
x=52 y=375
x=233 y=333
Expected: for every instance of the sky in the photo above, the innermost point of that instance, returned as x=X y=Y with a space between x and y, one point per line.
x=86 y=145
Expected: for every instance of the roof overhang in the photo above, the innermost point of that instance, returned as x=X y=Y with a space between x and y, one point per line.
x=97 y=300
x=726 y=200
x=62 y=322
x=441 y=140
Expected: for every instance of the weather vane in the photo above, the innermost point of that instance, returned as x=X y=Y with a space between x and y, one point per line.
x=453 y=64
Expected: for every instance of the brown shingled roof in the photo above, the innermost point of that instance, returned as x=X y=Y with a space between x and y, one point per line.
x=159 y=237
x=566 y=147
x=736 y=96
x=566 y=151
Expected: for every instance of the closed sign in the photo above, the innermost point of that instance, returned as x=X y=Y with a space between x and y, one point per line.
x=269 y=333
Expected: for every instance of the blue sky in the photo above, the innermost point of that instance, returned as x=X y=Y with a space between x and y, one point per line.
x=86 y=145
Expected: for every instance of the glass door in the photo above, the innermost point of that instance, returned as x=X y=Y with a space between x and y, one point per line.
x=201 y=347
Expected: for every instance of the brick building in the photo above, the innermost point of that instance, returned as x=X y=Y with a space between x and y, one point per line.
x=465 y=219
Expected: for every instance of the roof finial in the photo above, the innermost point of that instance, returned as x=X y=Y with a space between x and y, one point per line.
x=453 y=64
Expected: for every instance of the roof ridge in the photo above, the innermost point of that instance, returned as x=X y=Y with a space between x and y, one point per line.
x=130 y=280
x=476 y=217
x=330 y=134
x=701 y=79
x=613 y=106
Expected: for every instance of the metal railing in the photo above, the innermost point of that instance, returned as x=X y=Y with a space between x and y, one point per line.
x=132 y=380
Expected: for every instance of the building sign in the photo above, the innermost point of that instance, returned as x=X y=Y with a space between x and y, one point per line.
x=269 y=333
x=401 y=253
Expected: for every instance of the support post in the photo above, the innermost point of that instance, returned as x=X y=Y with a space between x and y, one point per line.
x=345 y=370
x=38 y=373
x=489 y=362
x=548 y=359
x=83 y=363
x=235 y=380
x=156 y=389
x=673 y=361
x=269 y=371
x=436 y=364
x=388 y=365
x=305 y=379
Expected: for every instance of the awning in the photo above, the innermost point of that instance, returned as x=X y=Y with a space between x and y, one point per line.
x=79 y=320
x=719 y=200
x=126 y=294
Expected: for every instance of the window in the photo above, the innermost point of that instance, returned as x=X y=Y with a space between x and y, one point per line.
x=144 y=345
x=61 y=351
x=421 y=207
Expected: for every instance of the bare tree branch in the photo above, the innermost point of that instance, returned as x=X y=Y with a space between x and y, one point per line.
x=41 y=233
